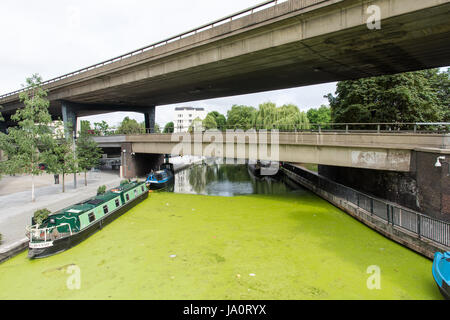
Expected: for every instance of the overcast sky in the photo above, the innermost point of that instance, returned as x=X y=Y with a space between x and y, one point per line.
x=54 y=37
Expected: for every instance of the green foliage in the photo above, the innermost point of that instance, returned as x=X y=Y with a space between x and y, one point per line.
x=196 y=126
x=319 y=116
x=88 y=152
x=126 y=181
x=157 y=128
x=287 y=117
x=169 y=128
x=219 y=119
x=209 y=122
x=101 y=190
x=31 y=141
x=130 y=126
x=241 y=117
x=85 y=126
x=40 y=215
x=62 y=158
x=410 y=97
x=102 y=128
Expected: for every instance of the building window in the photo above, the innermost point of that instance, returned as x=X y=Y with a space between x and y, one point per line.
x=105 y=209
x=190 y=116
x=117 y=203
x=128 y=197
x=91 y=217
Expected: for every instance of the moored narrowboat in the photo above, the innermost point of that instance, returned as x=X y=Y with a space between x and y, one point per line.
x=441 y=272
x=161 y=179
x=68 y=227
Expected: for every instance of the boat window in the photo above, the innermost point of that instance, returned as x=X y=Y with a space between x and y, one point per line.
x=117 y=203
x=159 y=176
x=135 y=192
x=105 y=209
x=142 y=188
x=128 y=197
x=91 y=217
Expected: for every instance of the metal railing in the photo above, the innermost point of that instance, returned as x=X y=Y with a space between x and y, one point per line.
x=419 y=127
x=240 y=14
x=421 y=225
x=34 y=233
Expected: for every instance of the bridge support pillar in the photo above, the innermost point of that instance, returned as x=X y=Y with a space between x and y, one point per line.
x=69 y=118
x=135 y=165
x=150 y=119
x=3 y=126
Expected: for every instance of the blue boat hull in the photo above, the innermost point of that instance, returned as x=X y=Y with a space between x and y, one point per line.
x=441 y=272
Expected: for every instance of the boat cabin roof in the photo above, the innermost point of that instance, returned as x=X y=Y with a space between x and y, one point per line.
x=98 y=200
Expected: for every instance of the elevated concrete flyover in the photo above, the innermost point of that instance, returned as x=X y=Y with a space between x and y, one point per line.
x=380 y=151
x=290 y=44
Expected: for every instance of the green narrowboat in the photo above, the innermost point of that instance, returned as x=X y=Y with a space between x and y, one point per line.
x=68 y=227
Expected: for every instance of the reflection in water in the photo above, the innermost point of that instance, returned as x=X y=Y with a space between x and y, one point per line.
x=229 y=180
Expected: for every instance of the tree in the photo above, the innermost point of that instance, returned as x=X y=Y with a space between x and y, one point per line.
x=129 y=126
x=287 y=117
x=196 y=126
x=220 y=119
x=30 y=142
x=85 y=126
x=209 y=122
x=266 y=116
x=62 y=158
x=410 y=97
x=88 y=153
x=101 y=128
x=241 y=117
x=319 y=116
x=157 y=128
x=169 y=128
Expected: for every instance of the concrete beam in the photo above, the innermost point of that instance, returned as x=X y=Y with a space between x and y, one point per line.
x=390 y=152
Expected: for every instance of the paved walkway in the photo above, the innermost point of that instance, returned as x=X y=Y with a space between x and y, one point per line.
x=16 y=209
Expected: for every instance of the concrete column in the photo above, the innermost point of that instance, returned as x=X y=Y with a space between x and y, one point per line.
x=150 y=119
x=3 y=126
x=69 y=118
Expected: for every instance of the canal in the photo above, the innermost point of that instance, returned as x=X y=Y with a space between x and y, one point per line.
x=223 y=234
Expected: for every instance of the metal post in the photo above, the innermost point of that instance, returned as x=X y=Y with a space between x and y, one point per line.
x=74 y=157
x=418 y=225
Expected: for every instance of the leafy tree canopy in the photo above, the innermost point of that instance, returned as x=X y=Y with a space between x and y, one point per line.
x=421 y=96
x=241 y=117
x=169 y=127
x=130 y=126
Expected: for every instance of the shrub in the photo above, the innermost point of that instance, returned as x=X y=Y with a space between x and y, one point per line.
x=126 y=181
x=41 y=215
x=101 y=190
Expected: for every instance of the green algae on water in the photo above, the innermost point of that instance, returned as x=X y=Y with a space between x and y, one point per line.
x=176 y=246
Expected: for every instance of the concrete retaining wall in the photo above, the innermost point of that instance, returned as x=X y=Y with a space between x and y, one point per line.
x=402 y=236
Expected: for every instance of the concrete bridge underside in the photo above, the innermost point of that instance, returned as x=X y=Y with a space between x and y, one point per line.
x=295 y=43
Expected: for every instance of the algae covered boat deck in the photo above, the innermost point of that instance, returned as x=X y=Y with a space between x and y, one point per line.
x=177 y=246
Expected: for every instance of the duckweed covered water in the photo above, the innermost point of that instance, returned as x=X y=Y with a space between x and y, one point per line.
x=179 y=246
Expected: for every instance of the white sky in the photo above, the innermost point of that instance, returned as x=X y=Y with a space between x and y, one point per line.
x=52 y=37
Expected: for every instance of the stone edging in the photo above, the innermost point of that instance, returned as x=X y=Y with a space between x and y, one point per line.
x=13 y=249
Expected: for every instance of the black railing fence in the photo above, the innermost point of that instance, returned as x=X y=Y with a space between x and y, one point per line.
x=423 y=226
